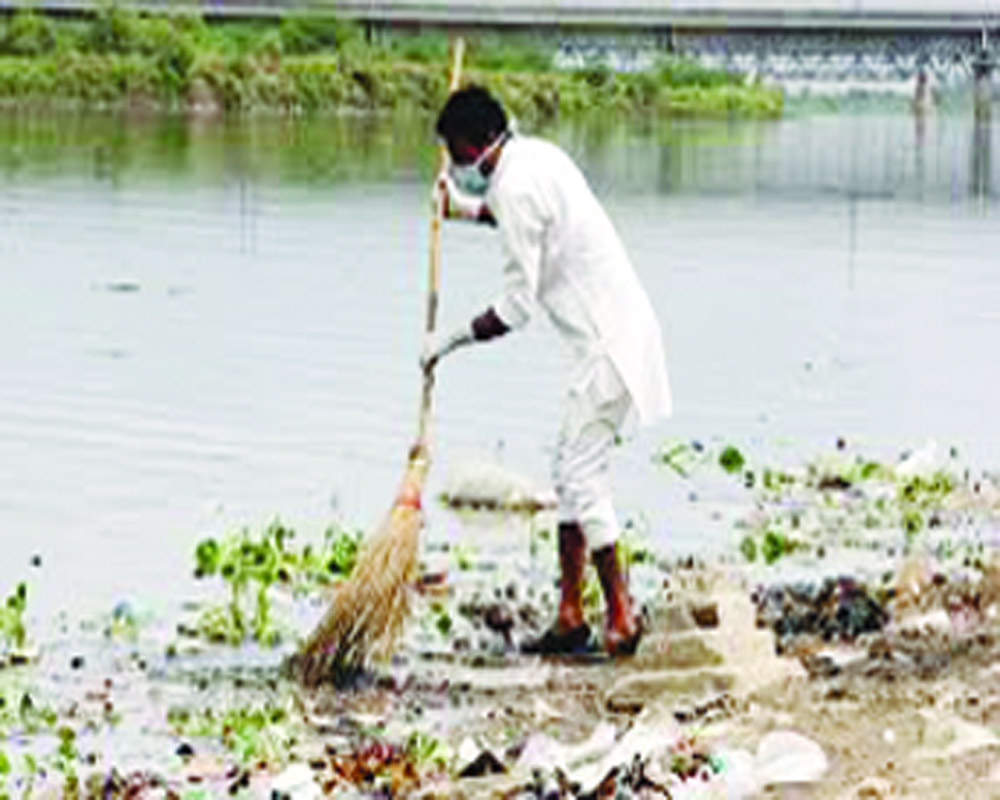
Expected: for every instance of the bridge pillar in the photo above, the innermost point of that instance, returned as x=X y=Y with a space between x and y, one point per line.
x=664 y=38
x=983 y=65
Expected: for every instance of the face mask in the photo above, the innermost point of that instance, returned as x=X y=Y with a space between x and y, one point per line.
x=469 y=177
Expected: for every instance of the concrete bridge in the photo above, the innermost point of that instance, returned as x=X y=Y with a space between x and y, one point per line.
x=849 y=44
x=672 y=15
x=634 y=15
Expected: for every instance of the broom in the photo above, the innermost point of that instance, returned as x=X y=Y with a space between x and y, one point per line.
x=367 y=612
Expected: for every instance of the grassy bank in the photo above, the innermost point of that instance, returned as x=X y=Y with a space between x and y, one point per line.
x=119 y=59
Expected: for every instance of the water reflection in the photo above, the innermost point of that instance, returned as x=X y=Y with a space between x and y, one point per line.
x=113 y=148
x=857 y=154
x=981 y=167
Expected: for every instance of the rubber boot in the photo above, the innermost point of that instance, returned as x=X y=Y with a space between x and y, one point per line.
x=572 y=563
x=569 y=634
x=621 y=629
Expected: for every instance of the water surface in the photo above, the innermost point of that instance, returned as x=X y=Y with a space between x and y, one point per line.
x=204 y=326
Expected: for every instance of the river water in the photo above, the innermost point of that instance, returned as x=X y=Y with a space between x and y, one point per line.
x=205 y=326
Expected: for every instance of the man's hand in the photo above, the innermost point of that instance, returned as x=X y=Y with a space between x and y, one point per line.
x=437 y=348
x=457 y=204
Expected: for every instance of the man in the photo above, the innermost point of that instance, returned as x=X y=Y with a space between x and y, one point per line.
x=561 y=255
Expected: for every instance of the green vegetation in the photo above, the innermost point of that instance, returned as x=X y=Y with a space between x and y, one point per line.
x=26 y=719
x=427 y=750
x=848 y=500
x=252 y=733
x=731 y=460
x=844 y=501
x=251 y=566
x=682 y=457
x=634 y=543
x=13 y=633
x=118 y=58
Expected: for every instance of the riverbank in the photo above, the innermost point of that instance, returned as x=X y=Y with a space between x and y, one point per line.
x=120 y=60
x=748 y=683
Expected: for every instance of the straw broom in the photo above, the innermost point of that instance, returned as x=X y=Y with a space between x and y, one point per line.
x=367 y=612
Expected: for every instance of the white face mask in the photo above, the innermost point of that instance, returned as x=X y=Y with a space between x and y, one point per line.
x=469 y=177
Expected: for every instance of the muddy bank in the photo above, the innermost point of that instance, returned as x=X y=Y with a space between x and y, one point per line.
x=881 y=683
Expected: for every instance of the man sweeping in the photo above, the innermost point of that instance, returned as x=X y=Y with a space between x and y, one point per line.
x=561 y=255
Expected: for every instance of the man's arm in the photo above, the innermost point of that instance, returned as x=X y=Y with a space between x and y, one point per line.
x=522 y=234
x=522 y=237
x=486 y=326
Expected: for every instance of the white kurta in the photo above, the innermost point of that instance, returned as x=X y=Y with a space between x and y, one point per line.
x=562 y=254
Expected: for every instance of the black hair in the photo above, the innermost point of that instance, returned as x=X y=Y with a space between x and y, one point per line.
x=472 y=114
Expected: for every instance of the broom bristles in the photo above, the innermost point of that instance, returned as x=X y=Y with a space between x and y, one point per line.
x=367 y=612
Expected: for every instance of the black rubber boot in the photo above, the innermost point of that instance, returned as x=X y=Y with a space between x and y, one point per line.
x=622 y=629
x=570 y=634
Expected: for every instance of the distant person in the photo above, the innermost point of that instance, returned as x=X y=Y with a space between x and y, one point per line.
x=562 y=255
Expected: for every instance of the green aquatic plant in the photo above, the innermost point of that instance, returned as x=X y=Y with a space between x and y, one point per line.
x=252 y=733
x=13 y=633
x=839 y=499
x=442 y=619
x=426 y=750
x=66 y=756
x=30 y=715
x=731 y=460
x=634 y=545
x=748 y=549
x=252 y=566
x=775 y=545
x=5 y=769
x=682 y=457
x=925 y=491
x=464 y=555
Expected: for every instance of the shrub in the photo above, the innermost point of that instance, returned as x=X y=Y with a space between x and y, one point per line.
x=322 y=63
x=421 y=49
x=308 y=35
x=676 y=71
x=29 y=34
x=113 y=29
x=504 y=53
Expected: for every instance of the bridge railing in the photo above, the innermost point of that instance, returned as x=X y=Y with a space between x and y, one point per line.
x=950 y=15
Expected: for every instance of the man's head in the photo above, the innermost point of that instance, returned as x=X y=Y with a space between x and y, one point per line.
x=469 y=123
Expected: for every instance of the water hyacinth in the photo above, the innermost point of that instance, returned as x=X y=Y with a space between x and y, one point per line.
x=250 y=566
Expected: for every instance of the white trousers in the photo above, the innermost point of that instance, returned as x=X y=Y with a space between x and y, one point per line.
x=597 y=406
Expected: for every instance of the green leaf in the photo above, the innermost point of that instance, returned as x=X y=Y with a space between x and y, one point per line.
x=748 y=547
x=731 y=460
x=774 y=547
x=871 y=469
x=443 y=623
x=913 y=522
x=206 y=556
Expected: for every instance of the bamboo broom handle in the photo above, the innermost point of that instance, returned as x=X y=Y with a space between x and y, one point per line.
x=434 y=267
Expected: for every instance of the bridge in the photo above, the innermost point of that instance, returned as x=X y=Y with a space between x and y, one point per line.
x=844 y=43
x=633 y=15
x=667 y=15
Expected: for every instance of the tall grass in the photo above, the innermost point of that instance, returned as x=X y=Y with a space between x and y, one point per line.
x=118 y=57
